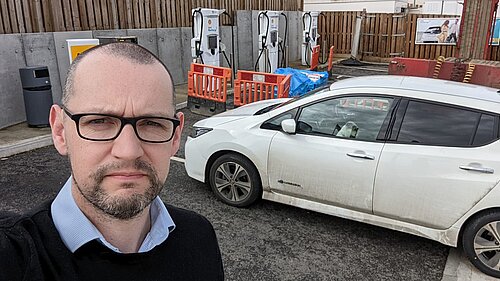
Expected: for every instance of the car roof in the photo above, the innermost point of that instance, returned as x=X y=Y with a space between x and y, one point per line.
x=421 y=84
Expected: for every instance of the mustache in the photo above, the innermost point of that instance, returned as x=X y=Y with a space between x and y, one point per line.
x=138 y=165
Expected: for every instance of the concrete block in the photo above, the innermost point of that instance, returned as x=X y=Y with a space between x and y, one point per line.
x=255 y=37
x=185 y=51
x=169 y=52
x=40 y=49
x=294 y=35
x=245 y=40
x=226 y=36
x=111 y=32
x=146 y=38
x=62 y=50
x=11 y=93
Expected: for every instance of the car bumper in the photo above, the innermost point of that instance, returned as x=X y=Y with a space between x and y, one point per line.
x=195 y=161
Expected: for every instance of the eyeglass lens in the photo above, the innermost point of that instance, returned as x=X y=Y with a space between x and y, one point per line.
x=98 y=127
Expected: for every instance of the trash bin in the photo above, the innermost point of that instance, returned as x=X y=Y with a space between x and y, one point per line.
x=110 y=39
x=37 y=95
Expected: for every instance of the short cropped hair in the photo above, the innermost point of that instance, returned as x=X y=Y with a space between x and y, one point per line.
x=129 y=51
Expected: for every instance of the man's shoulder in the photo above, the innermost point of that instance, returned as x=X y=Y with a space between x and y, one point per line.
x=184 y=216
x=19 y=234
x=10 y=219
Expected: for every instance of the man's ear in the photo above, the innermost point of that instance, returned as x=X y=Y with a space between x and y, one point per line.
x=57 y=126
x=176 y=140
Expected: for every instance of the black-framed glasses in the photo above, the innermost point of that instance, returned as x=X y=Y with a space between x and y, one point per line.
x=106 y=127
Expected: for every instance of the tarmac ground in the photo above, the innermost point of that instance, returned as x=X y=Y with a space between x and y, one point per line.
x=21 y=138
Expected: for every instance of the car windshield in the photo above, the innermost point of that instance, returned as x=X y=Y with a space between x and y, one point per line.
x=278 y=105
x=294 y=99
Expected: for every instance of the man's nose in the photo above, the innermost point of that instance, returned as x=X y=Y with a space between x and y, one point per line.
x=127 y=145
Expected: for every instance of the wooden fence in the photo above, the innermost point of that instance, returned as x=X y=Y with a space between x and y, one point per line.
x=383 y=36
x=21 y=16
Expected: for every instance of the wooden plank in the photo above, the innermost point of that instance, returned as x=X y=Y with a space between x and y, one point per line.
x=47 y=16
x=91 y=14
x=174 y=17
x=84 y=21
x=37 y=16
x=114 y=20
x=65 y=14
x=182 y=12
x=2 y=30
x=75 y=12
x=156 y=8
x=337 y=38
x=376 y=35
x=142 y=18
x=409 y=39
x=12 y=15
x=104 y=14
x=20 y=18
x=147 y=14
x=135 y=9
x=168 y=14
x=130 y=13
x=97 y=13
x=121 y=14
x=57 y=14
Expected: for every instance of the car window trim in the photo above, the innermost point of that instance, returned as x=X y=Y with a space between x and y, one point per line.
x=402 y=113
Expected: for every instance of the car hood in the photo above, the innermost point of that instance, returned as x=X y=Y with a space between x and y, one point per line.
x=237 y=113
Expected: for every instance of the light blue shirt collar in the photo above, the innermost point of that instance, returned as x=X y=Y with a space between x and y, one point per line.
x=76 y=230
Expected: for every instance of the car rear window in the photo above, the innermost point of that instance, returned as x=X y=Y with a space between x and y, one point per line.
x=435 y=124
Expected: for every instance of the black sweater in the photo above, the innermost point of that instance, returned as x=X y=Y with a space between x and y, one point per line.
x=31 y=249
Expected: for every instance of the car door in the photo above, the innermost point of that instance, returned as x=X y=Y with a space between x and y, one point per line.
x=439 y=162
x=333 y=156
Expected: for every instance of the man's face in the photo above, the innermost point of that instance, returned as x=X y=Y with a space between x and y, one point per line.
x=122 y=176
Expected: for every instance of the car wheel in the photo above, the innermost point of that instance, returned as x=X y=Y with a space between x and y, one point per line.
x=481 y=242
x=235 y=180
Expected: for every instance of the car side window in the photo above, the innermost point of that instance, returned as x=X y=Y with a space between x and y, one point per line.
x=434 y=124
x=354 y=117
x=487 y=130
x=275 y=122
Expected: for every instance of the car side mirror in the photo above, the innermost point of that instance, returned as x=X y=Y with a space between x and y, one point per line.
x=288 y=126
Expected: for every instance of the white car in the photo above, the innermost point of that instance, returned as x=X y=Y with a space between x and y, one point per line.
x=412 y=154
x=430 y=35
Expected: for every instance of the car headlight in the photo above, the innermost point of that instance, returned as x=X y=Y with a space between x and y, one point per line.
x=198 y=131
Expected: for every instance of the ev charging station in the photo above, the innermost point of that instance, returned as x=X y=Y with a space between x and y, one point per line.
x=205 y=31
x=269 y=41
x=310 y=35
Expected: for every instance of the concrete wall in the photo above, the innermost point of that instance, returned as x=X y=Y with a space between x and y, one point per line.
x=11 y=95
x=171 y=45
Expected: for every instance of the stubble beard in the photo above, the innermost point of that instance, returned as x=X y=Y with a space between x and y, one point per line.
x=117 y=207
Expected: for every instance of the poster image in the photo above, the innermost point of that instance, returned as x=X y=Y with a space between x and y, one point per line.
x=495 y=37
x=437 y=31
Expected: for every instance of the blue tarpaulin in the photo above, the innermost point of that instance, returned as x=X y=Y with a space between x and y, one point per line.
x=303 y=81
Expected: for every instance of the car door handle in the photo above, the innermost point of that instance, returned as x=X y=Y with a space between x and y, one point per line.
x=477 y=169
x=361 y=155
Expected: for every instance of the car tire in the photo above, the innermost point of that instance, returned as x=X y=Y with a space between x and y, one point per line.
x=235 y=180
x=481 y=242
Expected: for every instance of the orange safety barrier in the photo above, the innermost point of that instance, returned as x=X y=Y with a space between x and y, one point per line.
x=330 y=59
x=315 y=58
x=208 y=82
x=372 y=103
x=255 y=86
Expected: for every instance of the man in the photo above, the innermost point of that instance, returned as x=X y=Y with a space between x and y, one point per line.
x=453 y=32
x=118 y=126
